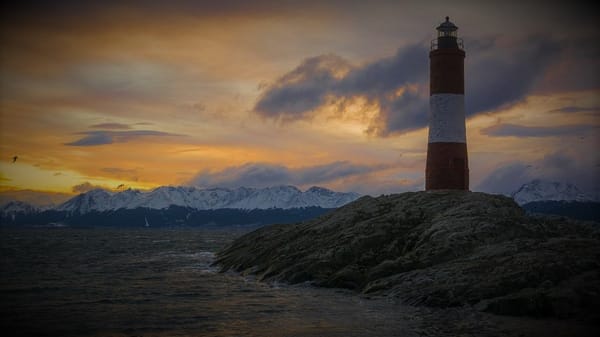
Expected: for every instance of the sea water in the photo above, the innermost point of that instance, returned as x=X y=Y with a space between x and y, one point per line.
x=160 y=282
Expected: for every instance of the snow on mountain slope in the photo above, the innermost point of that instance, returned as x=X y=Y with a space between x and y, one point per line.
x=326 y=198
x=97 y=200
x=118 y=200
x=540 y=190
x=271 y=197
x=15 y=206
x=242 y=198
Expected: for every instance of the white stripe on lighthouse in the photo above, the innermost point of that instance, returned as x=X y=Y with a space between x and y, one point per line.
x=447 y=118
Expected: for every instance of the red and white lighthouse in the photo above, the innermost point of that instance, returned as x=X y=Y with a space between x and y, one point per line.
x=447 y=162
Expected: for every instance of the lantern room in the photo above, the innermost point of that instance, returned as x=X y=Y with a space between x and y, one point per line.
x=447 y=36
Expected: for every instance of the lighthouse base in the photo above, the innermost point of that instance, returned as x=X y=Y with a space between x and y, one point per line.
x=447 y=167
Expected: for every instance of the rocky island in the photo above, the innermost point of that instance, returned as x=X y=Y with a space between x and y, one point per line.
x=436 y=249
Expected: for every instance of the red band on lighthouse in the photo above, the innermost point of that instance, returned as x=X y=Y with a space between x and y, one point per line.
x=447 y=162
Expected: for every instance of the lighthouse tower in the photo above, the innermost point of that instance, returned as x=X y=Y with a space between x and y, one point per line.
x=447 y=164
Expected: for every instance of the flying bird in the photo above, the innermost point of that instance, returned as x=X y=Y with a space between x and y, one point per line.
x=15 y=159
x=120 y=186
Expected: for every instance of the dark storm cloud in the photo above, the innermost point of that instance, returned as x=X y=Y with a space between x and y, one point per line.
x=408 y=65
x=406 y=112
x=379 y=80
x=264 y=175
x=298 y=93
x=503 y=83
x=499 y=73
x=305 y=88
x=513 y=130
x=93 y=138
x=496 y=78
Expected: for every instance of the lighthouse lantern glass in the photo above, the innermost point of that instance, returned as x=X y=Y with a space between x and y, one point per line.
x=442 y=33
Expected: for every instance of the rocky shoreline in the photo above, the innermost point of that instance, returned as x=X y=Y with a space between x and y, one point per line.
x=437 y=249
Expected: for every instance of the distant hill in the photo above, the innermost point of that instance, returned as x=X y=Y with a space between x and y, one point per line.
x=172 y=216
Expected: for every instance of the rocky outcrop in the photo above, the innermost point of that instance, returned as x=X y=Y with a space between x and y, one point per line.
x=443 y=248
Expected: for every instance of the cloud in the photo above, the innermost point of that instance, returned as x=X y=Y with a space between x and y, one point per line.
x=408 y=65
x=264 y=175
x=124 y=79
x=513 y=130
x=85 y=187
x=506 y=179
x=114 y=126
x=578 y=168
x=117 y=171
x=506 y=72
x=499 y=73
x=94 y=138
x=297 y=94
x=398 y=85
x=576 y=68
x=375 y=185
x=130 y=174
x=336 y=170
x=576 y=109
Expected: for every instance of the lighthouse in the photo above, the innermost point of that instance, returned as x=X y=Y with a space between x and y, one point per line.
x=447 y=163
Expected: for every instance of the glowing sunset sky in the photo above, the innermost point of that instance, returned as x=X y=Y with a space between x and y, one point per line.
x=262 y=93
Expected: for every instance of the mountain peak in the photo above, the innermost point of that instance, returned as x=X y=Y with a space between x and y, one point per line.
x=541 y=190
x=318 y=189
x=282 y=188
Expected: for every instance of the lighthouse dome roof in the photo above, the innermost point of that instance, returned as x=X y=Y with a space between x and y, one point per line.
x=447 y=26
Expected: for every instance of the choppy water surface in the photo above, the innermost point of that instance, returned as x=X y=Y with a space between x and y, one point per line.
x=158 y=282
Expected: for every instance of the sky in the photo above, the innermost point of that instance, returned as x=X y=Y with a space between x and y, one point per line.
x=140 y=94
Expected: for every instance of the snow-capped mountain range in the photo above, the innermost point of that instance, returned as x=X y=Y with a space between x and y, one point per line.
x=284 y=197
x=543 y=190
